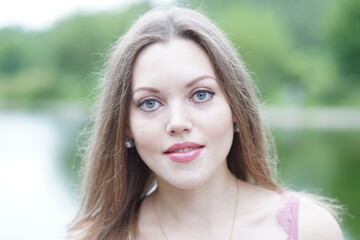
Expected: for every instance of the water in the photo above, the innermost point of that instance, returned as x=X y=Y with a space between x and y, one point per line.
x=35 y=202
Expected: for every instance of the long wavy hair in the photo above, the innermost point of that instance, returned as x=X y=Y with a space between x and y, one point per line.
x=115 y=178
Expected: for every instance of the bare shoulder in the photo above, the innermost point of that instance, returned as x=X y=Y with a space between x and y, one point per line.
x=315 y=222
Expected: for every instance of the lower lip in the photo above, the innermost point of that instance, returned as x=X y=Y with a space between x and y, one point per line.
x=185 y=156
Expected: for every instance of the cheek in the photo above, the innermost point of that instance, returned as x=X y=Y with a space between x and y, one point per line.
x=220 y=130
x=145 y=134
x=221 y=121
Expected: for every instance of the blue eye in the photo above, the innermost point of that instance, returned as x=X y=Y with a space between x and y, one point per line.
x=149 y=104
x=202 y=95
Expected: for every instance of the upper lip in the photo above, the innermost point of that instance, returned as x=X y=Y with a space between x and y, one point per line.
x=183 y=145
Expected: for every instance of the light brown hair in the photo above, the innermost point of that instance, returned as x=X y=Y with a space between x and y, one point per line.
x=116 y=178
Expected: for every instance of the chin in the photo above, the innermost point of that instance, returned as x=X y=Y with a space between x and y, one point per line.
x=187 y=182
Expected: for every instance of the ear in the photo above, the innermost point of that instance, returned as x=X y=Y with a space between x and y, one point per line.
x=235 y=124
x=234 y=119
x=128 y=132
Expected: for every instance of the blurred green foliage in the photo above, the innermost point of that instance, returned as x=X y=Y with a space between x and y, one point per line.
x=300 y=52
x=63 y=62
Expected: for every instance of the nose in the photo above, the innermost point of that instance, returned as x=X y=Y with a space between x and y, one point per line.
x=179 y=121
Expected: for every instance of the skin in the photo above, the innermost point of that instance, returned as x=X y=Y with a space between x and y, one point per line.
x=177 y=98
x=181 y=115
x=189 y=107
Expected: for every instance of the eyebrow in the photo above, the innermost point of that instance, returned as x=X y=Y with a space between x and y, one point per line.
x=188 y=85
x=194 y=81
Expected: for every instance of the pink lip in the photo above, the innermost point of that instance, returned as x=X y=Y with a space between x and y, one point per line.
x=184 y=156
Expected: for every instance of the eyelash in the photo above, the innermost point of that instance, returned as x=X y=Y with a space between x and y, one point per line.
x=157 y=101
x=211 y=93
x=146 y=100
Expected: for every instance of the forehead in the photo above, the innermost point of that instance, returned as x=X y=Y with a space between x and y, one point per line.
x=167 y=62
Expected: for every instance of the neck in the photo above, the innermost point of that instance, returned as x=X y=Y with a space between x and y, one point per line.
x=212 y=200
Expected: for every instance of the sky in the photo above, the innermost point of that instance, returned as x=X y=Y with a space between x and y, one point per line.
x=42 y=14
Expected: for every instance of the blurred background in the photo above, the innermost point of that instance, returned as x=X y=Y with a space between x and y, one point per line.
x=304 y=56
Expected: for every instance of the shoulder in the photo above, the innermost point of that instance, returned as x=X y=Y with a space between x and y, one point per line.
x=315 y=222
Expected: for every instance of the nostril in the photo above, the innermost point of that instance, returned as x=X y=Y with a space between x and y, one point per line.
x=178 y=122
x=172 y=130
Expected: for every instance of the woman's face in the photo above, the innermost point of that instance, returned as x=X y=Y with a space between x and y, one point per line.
x=179 y=118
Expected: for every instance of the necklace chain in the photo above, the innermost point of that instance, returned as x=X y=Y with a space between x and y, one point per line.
x=232 y=225
x=158 y=219
x=235 y=210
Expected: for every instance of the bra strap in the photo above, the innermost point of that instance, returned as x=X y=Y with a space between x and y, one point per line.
x=288 y=216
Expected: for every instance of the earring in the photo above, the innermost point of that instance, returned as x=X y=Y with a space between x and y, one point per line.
x=129 y=143
x=236 y=127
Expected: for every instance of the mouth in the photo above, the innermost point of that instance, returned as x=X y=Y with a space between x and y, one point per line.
x=184 y=152
x=183 y=147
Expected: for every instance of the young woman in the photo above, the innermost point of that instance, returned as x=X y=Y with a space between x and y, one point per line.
x=178 y=149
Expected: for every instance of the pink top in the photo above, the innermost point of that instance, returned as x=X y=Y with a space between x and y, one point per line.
x=288 y=216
